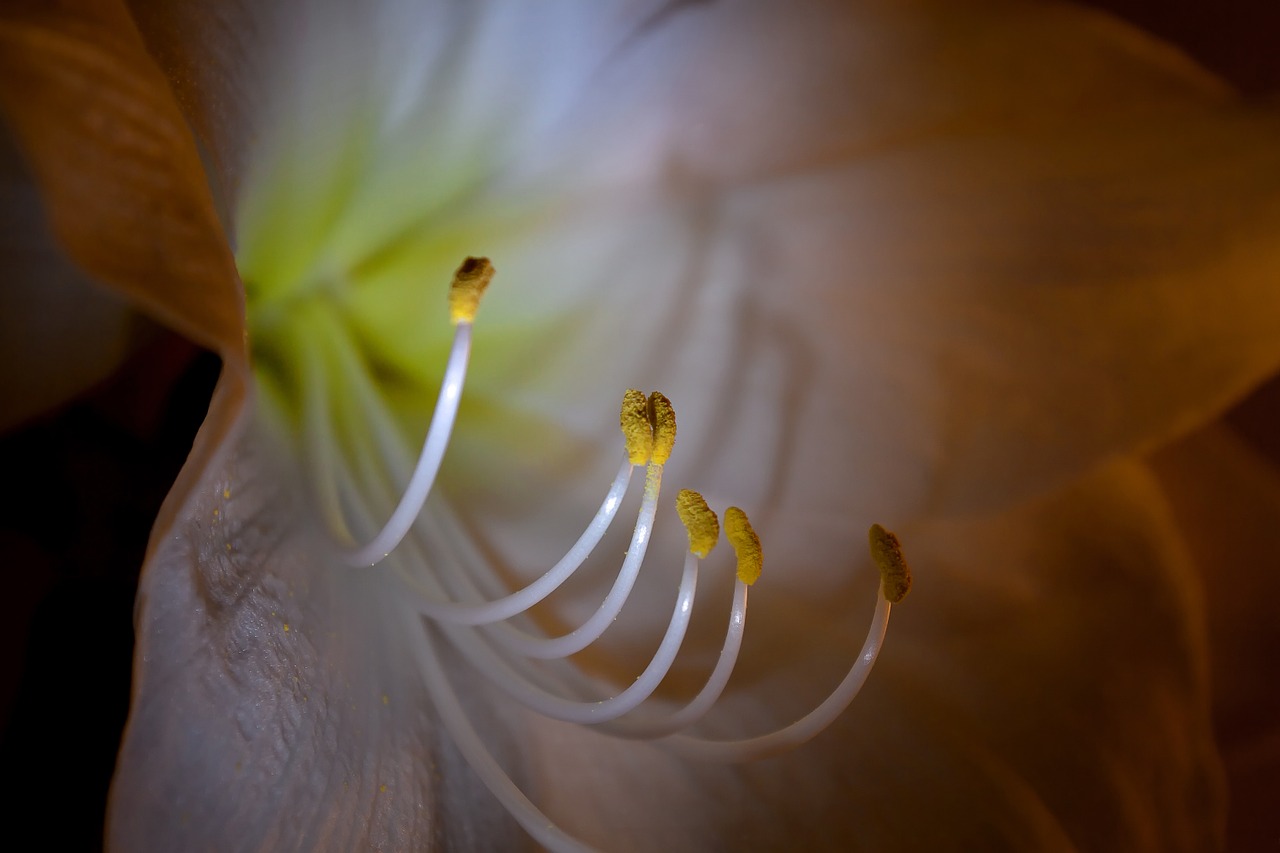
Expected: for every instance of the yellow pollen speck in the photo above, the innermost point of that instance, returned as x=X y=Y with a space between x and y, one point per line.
x=386 y=700
x=217 y=512
x=663 y=417
x=382 y=788
x=699 y=521
x=226 y=494
x=636 y=429
x=286 y=627
x=746 y=545
x=227 y=546
x=895 y=575
x=469 y=283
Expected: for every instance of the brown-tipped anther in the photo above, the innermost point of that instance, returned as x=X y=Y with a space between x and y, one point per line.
x=663 y=417
x=469 y=284
x=895 y=575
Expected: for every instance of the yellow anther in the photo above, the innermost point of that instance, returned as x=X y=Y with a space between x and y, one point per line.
x=746 y=545
x=895 y=575
x=469 y=283
x=663 y=418
x=636 y=429
x=699 y=521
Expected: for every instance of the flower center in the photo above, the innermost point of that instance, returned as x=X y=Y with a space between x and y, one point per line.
x=514 y=659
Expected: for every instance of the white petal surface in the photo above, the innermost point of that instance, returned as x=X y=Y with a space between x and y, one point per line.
x=909 y=259
x=277 y=703
x=972 y=235
x=1043 y=687
x=968 y=249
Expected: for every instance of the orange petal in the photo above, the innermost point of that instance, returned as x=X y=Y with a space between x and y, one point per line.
x=123 y=184
x=1226 y=497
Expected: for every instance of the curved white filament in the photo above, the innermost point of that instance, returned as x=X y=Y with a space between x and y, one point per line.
x=543 y=702
x=661 y=726
x=806 y=727
x=471 y=745
x=433 y=448
x=546 y=648
x=486 y=613
x=454 y=590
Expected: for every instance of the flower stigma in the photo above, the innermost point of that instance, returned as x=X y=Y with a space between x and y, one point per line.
x=488 y=631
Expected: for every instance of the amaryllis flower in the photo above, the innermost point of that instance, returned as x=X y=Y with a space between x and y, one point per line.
x=951 y=266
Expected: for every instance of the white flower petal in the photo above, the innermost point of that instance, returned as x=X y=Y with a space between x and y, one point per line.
x=971 y=235
x=994 y=242
x=279 y=701
x=898 y=227
x=1044 y=686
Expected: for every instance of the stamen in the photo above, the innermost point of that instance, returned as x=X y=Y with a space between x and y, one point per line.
x=637 y=430
x=546 y=648
x=663 y=418
x=526 y=665
x=469 y=283
x=746 y=545
x=591 y=712
x=704 y=530
x=820 y=717
x=472 y=746
x=488 y=612
x=699 y=521
x=895 y=575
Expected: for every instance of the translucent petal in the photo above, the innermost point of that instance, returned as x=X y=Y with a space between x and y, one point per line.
x=59 y=334
x=1044 y=687
x=122 y=183
x=993 y=243
x=277 y=700
x=931 y=260
x=975 y=236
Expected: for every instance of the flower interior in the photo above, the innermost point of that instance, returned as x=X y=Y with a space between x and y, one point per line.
x=307 y=356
